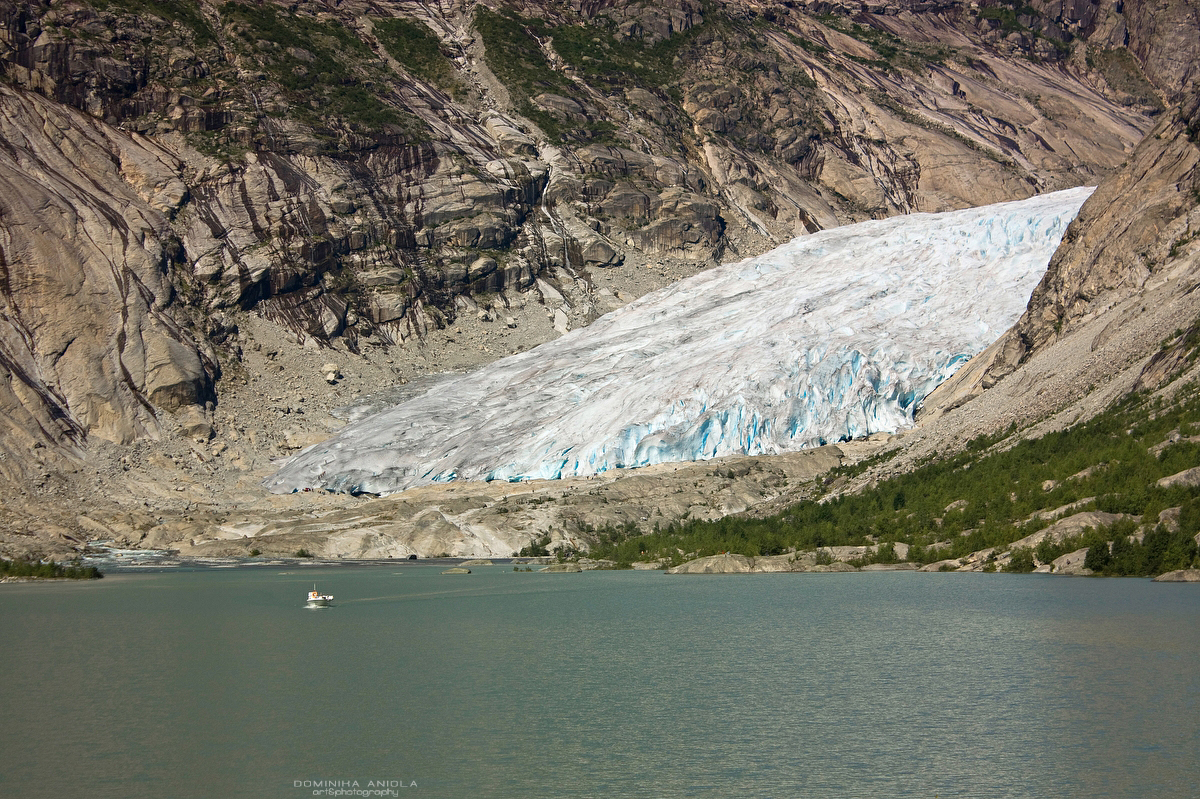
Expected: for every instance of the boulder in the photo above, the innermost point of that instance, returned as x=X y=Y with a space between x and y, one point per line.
x=1070 y=563
x=508 y=134
x=561 y=568
x=1188 y=478
x=834 y=567
x=1179 y=576
x=1169 y=518
x=477 y=562
x=714 y=564
x=1072 y=525
x=457 y=570
x=480 y=268
x=559 y=106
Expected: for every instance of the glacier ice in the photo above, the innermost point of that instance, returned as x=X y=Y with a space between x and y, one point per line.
x=831 y=336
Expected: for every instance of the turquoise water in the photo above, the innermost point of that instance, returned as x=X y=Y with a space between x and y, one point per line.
x=218 y=683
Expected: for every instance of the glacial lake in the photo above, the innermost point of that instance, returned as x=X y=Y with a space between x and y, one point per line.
x=219 y=683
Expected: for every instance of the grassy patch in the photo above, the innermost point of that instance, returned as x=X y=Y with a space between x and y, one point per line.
x=515 y=56
x=418 y=50
x=894 y=52
x=536 y=548
x=1121 y=71
x=805 y=44
x=216 y=144
x=185 y=13
x=601 y=58
x=323 y=67
x=1006 y=17
x=514 y=53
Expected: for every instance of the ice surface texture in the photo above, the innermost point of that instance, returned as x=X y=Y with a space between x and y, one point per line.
x=832 y=336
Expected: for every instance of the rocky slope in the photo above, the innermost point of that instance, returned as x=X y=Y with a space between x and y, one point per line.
x=1123 y=279
x=203 y=203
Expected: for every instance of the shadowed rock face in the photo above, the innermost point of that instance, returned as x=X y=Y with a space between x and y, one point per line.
x=164 y=173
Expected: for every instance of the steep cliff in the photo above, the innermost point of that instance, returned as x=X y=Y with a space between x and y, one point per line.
x=86 y=248
x=1137 y=236
x=1135 y=231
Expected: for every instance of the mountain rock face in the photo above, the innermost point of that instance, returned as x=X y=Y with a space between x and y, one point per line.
x=1130 y=234
x=1136 y=235
x=198 y=198
x=86 y=247
x=357 y=172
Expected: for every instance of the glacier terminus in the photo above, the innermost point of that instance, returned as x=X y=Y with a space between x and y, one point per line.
x=832 y=336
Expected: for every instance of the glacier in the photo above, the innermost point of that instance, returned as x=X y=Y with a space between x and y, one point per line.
x=829 y=337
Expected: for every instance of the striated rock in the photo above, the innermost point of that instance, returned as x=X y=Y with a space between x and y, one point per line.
x=91 y=336
x=715 y=564
x=562 y=107
x=1071 y=563
x=1126 y=239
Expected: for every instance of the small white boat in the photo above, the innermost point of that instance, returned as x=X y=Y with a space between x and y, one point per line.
x=317 y=599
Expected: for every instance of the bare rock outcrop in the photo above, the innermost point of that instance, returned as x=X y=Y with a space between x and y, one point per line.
x=1071 y=564
x=561 y=568
x=1132 y=234
x=1071 y=525
x=92 y=337
x=1188 y=478
x=1179 y=576
x=715 y=564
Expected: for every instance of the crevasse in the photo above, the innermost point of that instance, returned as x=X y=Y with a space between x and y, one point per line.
x=831 y=336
